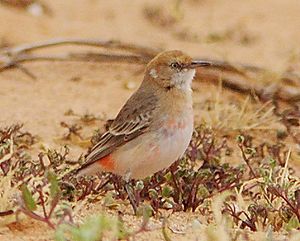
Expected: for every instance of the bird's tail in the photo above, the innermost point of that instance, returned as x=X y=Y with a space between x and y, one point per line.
x=85 y=170
x=88 y=170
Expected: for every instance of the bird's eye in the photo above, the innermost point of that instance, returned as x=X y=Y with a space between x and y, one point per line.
x=175 y=65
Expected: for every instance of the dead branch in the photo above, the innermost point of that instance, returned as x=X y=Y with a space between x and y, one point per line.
x=85 y=57
x=70 y=57
x=110 y=44
x=246 y=83
x=237 y=77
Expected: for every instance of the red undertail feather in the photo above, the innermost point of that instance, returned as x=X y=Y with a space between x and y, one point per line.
x=107 y=163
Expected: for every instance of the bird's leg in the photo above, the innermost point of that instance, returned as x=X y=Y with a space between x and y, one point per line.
x=129 y=190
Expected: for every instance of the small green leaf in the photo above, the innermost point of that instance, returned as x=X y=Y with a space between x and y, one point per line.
x=166 y=191
x=164 y=231
x=28 y=198
x=240 y=139
x=139 y=185
x=54 y=187
x=109 y=201
x=168 y=176
x=272 y=163
x=202 y=192
x=60 y=233
x=145 y=211
x=123 y=231
x=293 y=224
x=250 y=151
x=153 y=193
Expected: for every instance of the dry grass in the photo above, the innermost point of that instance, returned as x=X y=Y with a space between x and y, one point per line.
x=238 y=115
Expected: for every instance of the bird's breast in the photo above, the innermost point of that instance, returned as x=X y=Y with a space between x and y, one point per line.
x=157 y=149
x=175 y=135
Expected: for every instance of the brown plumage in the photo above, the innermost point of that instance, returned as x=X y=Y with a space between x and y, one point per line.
x=156 y=118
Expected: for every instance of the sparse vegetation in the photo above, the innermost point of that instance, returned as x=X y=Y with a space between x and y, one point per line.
x=259 y=194
x=239 y=179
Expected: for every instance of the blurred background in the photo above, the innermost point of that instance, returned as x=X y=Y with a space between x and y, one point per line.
x=258 y=32
x=264 y=32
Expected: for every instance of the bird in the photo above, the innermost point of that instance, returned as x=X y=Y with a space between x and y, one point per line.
x=154 y=127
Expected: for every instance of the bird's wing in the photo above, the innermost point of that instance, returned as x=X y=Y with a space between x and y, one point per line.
x=133 y=120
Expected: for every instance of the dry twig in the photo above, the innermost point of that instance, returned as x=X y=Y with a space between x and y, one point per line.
x=237 y=77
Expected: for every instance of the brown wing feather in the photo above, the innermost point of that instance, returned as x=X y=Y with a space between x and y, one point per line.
x=132 y=121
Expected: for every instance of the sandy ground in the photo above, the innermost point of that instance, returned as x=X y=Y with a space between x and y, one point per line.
x=260 y=32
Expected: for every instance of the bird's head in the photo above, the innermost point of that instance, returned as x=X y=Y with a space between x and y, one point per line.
x=173 y=69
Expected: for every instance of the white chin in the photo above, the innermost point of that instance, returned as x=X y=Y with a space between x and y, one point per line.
x=183 y=80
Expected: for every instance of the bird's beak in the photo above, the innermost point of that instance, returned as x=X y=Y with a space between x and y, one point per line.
x=199 y=63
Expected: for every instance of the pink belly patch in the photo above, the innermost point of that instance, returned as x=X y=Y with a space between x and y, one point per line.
x=172 y=126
